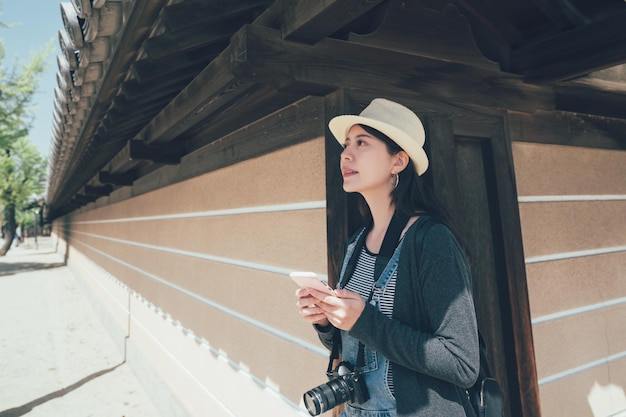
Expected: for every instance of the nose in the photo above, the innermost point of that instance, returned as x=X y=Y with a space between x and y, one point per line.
x=346 y=154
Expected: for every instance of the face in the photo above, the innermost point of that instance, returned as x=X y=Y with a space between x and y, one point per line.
x=366 y=165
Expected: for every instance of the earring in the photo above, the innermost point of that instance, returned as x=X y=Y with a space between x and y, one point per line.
x=395 y=180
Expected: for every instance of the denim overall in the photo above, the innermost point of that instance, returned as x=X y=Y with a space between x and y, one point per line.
x=382 y=402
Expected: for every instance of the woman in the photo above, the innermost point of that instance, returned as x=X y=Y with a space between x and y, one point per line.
x=415 y=321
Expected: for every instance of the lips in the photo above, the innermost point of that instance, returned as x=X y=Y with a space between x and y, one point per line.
x=348 y=172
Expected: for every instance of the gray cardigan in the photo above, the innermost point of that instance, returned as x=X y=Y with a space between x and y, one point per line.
x=432 y=340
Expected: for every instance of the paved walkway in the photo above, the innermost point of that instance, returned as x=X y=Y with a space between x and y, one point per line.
x=56 y=359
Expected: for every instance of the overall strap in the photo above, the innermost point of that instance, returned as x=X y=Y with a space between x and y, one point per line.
x=390 y=241
x=387 y=249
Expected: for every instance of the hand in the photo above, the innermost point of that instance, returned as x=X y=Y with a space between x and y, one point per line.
x=308 y=309
x=342 y=309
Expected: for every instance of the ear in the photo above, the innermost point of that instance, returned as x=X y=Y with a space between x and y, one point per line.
x=400 y=163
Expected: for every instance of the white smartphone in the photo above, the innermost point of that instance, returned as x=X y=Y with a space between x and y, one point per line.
x=311 y=280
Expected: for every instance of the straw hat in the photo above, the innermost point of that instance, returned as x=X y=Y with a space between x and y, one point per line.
x=394 y=120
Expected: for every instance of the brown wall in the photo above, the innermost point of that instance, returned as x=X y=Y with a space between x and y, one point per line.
x=212 y=255
x=572 y=205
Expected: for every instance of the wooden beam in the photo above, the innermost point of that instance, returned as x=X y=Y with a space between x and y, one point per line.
x=171 y=43
x=189 y=13
x=82 y=199
x=148 y=69
x=98 y=191
x=312 y=21
x=257 y=103
x=562 y=17
x=260 y=56
x=166 y=153
x=572 y=53
x=212 y=89
x=569 y=129
x=592 y=96
x=126 y=178
x=424 y=32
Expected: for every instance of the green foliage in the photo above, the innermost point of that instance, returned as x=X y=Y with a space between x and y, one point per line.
x=18 y=86
x=22 y=168
x=22 y=173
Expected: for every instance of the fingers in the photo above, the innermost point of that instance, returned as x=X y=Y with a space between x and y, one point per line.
x=341 y=309
x=309 y=311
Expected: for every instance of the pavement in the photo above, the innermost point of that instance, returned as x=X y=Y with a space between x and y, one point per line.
x=56 y=358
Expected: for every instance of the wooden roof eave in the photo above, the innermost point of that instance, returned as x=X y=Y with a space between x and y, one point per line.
x=262 y=56
x=134 y=32
x=572 y=53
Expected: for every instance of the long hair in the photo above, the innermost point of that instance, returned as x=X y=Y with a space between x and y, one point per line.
x=414 y=195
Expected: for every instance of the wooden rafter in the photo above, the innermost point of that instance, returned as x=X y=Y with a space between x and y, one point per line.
x=572 y=53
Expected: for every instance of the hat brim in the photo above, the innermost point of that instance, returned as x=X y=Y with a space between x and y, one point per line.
x=340 y=126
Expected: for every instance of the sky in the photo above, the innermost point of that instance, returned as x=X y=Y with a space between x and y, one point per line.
x=34 y=23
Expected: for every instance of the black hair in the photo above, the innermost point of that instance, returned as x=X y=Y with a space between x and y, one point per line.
x=414 y=195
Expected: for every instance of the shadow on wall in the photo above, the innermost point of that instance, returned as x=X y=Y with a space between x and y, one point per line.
x=607 y=400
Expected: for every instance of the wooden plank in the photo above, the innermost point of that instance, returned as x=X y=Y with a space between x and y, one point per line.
x=171 y=43
x=489 y=18
x=312 y=21
x=592 y=96
x=558 y=15
x=572 y=53
x=153 y=90
x=98 y=191
x=192 y=13
x=261 y=56
x=127 y=178
x=119 y=164
x=428 y=33
x=166 y=153
x=561 y=128
x=148 y=69
x=212 y=89
x=522 y=369
x=257 y=103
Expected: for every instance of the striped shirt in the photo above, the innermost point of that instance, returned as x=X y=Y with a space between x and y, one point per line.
x=362 y=281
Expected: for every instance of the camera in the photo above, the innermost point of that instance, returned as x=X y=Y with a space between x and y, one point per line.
x=346 y=385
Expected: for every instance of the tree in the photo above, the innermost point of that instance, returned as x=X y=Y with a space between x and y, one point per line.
x=22 y=173
x=22 y=168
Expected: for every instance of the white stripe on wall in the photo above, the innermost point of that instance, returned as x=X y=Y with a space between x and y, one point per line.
x=582 y=368
x=574 y=254
x=579 y=310
x=248 y=320
x=199 y=255
x=570 y=198
x=308 y=205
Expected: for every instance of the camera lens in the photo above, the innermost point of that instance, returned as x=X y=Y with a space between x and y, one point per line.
x=326 y=396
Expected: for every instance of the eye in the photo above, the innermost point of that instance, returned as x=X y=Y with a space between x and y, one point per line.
x=360 y=142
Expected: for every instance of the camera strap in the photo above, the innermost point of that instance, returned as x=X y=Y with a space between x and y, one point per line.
x=390 y=242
